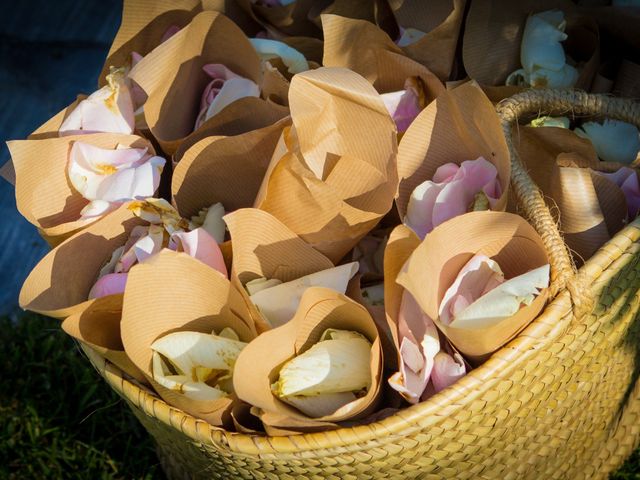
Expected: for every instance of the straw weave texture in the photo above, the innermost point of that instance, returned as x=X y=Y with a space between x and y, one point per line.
x=561 y=401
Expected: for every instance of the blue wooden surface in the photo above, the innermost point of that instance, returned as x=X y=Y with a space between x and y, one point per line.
x=49 y=52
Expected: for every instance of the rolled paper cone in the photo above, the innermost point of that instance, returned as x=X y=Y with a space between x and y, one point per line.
x=583 y=199
x=620 y=23
x=264 y=247
x=402 y=242
x=47 y=130
x=604 y=78
x=59 y=285
x=258 y=365
x=226 y=169
x=285 y=20
x=99 y=328
x=441 y=22
x=360 y=46
x=540 y=147
x=461 y=124
x=44 y=195
x=202 y=301
x=145 y=23
x=627 y=83
x=310 y=47
x=435 y=263
x=493 y=37
x=316 y=160
x=172 y=76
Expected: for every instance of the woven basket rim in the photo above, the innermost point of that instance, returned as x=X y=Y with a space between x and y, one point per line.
x=552 y=322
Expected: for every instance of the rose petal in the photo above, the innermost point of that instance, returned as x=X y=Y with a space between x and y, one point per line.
x=110 y=284
x=201 y=246
x=627 y=179
x=447 y=369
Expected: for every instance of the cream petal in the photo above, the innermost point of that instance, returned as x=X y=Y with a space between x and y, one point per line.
x=409 y=36
x=257 y=284
x=546 y=121
x=565 y=77
x=330 y=366
x=278 y=304
x=320 y=405
x=476 y=278
x=292 y=58
x=503 y=301
x=97 y=208
x=188 y=351
x=541 y=47
x=109 y=109
x=614 y=141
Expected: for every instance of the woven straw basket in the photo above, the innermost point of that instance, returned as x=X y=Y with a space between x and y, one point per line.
x=562 y=400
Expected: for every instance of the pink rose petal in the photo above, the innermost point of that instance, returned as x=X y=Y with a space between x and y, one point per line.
x=447 y=369
x=627 y=179
x=201 y=246
x=110 y=284
x=450 y=193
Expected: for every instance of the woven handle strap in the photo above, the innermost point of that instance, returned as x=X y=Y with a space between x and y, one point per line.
x=529 y=196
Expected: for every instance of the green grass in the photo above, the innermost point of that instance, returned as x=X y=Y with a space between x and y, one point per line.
x=59 y=420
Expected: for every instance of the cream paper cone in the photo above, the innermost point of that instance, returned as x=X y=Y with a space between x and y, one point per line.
x=460 y=125
x=589 y=208
x=47 y=130
x=44 y=195
x=226 y=169
x=144 y=23
x=59 y=285
x=172 y=292
x=493 y=36
x=434 y=264
x=360 y=46
x=99 y=328
x=172 y=76
x=282 y=21
x=341 y=131
x=259 y=363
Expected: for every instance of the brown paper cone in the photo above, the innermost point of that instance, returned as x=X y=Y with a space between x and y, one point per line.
x=341 y=131
x=589 y=207
x=144 y=23
x=619 y=22
x=460 y=125
x=172 y=292
x=44 y=195
x=281 y=21
x=47 y=130
x=99 y=327
x=435 y=263
x=59 y=284
x=259 y=363
x=493 y=36
x=362 y=47
x=173 y=79
x=584 y=198
x=402 y=242
x=627 y=83
x=265 y=247
x=440 y=20
x=227 y=169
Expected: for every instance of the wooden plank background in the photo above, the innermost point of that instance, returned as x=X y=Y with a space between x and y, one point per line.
x=49 y=52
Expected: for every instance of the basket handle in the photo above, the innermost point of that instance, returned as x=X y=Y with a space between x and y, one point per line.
x=529 y=196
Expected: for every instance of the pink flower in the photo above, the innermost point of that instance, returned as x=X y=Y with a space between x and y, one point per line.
x=627 y=179
x=225 y=88
x=147 y=240
x=405 y=105
x=454 y=190
x=419 y=344
x=447 y=369
x=109 y=177
x=109 y=109
x=201 y=246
